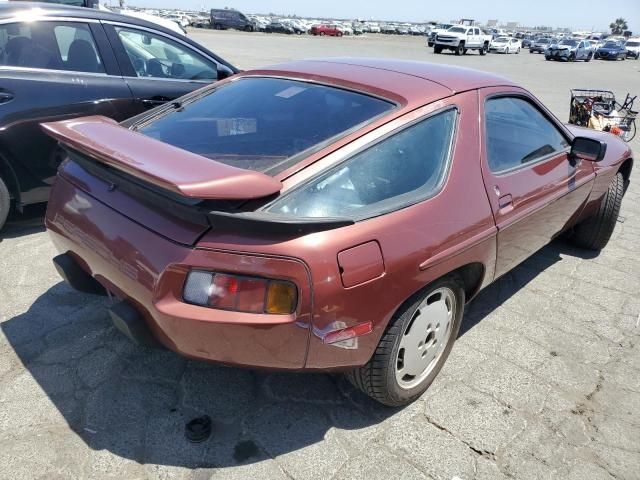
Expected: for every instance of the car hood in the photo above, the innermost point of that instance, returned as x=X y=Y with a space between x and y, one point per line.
x=563 y=47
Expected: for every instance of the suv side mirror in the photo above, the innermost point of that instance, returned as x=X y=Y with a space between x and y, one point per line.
x=223 y=72
x=588 y=149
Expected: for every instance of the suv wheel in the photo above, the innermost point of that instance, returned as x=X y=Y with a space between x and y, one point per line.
x=594 y=232
x=415 y=345
x=5 y=203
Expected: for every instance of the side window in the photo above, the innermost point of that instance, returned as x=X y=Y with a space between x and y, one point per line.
x=77 y=48
x=157 y=56
x=518 y=133
x=401 y=170
x=49 y=45
x=476 y=31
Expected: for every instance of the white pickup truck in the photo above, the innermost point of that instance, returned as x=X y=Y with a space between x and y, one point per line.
x=461 y=38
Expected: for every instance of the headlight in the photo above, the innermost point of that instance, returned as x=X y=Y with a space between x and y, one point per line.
x=240 y=293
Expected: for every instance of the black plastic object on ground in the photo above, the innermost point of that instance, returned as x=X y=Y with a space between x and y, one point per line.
x=198 y=429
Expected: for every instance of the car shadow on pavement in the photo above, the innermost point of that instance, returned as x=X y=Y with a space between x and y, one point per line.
x=135 y=402
x=512 y=282
x=26 y=223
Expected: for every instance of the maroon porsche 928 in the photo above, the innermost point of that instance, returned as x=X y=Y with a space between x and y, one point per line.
x=325 y=215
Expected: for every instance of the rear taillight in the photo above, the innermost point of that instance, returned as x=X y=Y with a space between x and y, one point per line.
x=240 y=293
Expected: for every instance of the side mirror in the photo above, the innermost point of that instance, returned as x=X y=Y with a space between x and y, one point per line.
x=589 y=149
x=223 y=72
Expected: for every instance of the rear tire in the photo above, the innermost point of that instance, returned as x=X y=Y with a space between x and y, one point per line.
x=5 y=203
x=483 y=49
x=382 y=378
x=594 y=232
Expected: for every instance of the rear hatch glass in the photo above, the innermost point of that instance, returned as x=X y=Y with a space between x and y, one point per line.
x=264 y=124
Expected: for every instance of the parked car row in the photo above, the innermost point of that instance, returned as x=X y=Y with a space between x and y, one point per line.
x=461 y=38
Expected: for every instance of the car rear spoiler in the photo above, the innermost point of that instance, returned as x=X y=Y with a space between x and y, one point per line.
x=184 y=181
x=160 y=164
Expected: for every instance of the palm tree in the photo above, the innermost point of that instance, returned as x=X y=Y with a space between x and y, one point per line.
x=618 y=26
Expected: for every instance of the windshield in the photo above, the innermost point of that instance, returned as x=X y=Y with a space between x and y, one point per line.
x=633 y=44
x=501 y=40
x=543 y=40
x=611 y=44
x=260 y=123
x=457 y=30
x=570 y=43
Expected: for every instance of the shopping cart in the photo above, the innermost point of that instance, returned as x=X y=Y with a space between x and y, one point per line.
x=598 y=109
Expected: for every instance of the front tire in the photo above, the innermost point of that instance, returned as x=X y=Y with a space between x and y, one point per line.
x=5 y=203
x=460 y=49
x=594 y=232
x=437 y=49
x=415 y=345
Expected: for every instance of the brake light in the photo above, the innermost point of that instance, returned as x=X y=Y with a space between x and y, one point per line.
x=240 y=293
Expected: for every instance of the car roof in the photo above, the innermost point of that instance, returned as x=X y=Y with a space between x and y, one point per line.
x=410 y=82
x=9 y=10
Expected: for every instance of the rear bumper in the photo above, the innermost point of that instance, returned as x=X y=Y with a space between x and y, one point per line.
x=148 y=271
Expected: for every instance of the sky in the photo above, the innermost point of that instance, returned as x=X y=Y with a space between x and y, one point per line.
x=576 y=14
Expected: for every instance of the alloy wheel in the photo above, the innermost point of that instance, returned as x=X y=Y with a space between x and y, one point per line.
x=425 y=338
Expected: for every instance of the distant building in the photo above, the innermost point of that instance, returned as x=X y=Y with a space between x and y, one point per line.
x=492 y=23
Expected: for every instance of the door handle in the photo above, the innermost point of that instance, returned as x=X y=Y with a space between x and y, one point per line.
x=153 y=103
x=5 y=96
x=505 y=203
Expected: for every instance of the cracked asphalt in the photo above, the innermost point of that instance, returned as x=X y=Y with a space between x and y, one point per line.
x=543 y=382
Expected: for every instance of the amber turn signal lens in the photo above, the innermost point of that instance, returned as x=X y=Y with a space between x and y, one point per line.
x=281 y=298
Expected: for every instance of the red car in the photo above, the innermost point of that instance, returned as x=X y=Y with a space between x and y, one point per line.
x=331 y=30
x=325 y=215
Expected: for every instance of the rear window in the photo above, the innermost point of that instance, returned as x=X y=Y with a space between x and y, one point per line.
x=261 y=123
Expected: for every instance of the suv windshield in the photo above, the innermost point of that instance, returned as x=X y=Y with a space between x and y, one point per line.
x=570 y=43
x=542 y=40
x=611 y=44
x=261 y=123
x=633 y=44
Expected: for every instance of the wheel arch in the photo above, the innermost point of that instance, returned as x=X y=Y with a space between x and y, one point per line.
x=625 y=170
x=8 y=175
x=472 y=275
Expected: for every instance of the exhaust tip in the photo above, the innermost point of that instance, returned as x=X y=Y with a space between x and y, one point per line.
x=132 y=324
x=73 y=274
